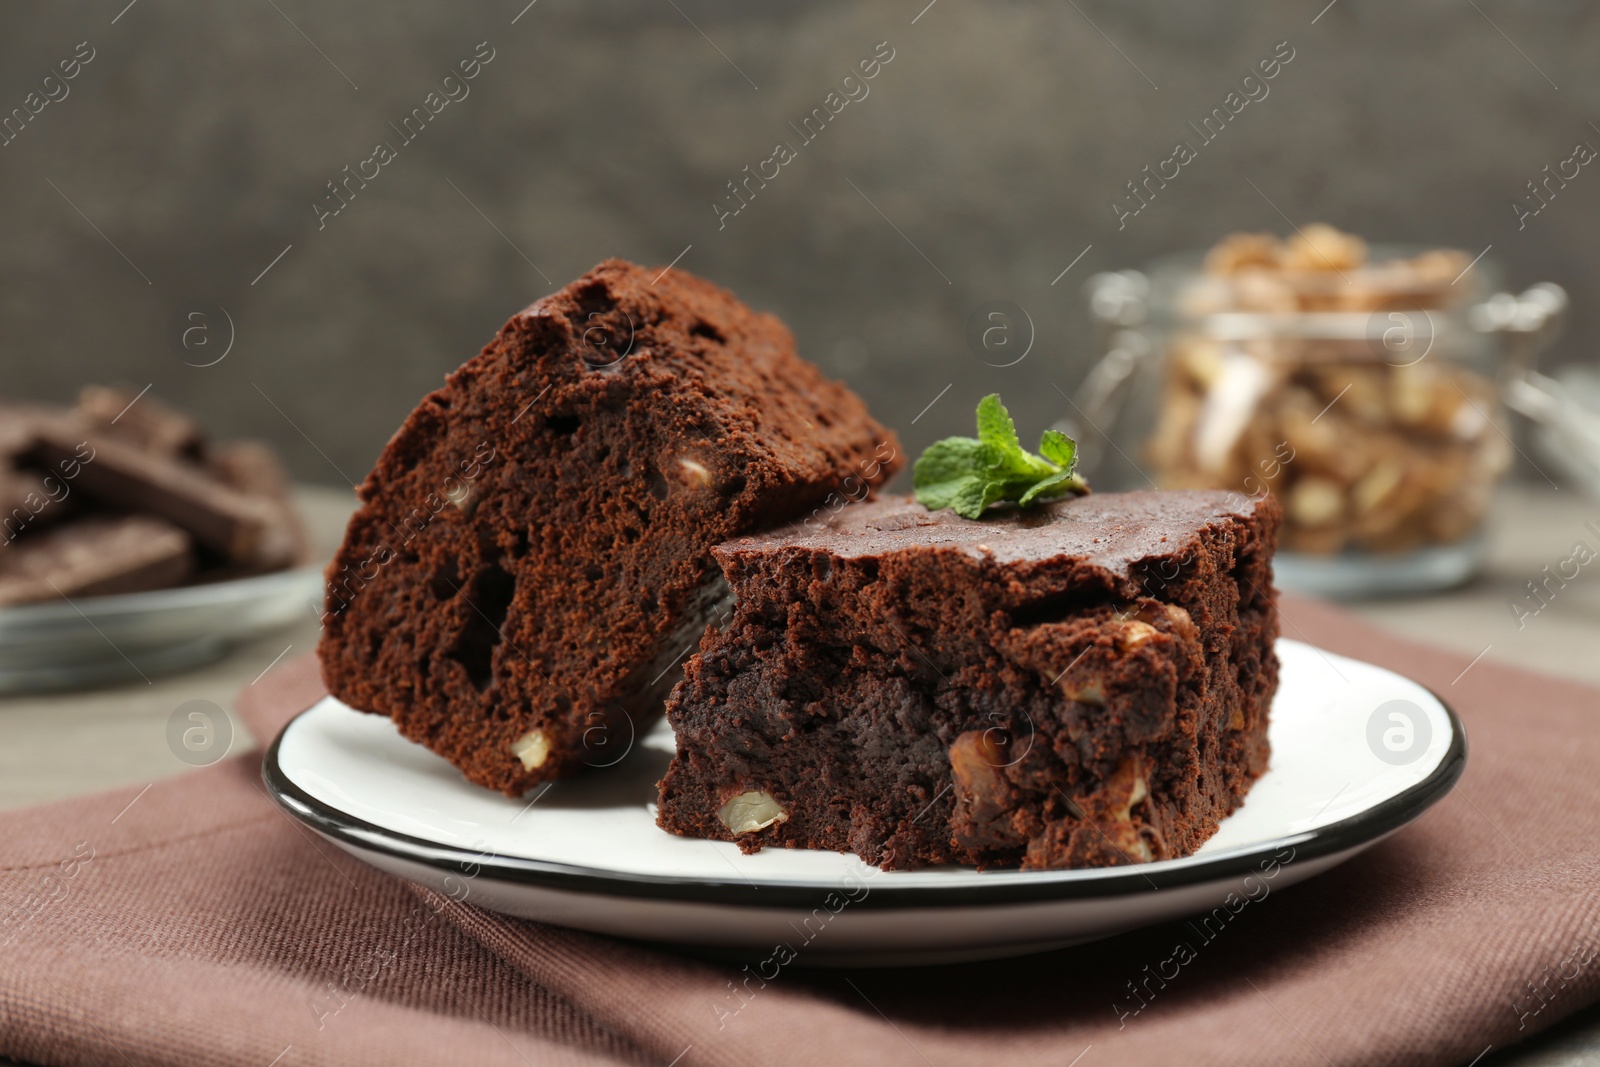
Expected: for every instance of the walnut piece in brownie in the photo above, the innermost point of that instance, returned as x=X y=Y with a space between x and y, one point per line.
x=1084 y=683
x=532 y=557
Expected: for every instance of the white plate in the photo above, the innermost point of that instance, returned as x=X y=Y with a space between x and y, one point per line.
x=1357 y=752
x=98 y=640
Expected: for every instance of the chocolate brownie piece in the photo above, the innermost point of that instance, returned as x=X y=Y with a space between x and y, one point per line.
x=1084 y=683
x=531 y=558
x=98 y=556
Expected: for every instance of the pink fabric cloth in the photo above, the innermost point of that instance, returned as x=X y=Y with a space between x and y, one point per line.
x=197 y=924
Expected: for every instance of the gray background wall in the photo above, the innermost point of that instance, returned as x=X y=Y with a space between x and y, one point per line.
x=199 y=136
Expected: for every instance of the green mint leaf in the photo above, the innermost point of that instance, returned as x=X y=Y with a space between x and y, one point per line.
x=942 y=471
x=975 y=496
x=946 y=494
x=996 y=430
x=952 y=458
x=968 y=474
x=995 y=427
x=1057 y=484
x=1059 y=449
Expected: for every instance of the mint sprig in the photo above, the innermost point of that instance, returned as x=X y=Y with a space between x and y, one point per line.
x=967 y=474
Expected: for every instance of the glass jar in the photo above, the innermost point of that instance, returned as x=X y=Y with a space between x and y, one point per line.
x=1361 y=387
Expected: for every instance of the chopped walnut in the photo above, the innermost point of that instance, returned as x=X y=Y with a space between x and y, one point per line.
x=1240 y=251
x=750 y=811
x=984 y=797
x=1369 y=445
x=1319 y=246
x=532 y=748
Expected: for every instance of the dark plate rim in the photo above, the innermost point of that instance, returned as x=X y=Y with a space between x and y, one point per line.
x=1363 y=828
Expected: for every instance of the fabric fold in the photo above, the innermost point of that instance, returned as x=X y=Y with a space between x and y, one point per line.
x=194 y=922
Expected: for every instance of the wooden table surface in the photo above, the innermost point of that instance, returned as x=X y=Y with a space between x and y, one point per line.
x=64 y=744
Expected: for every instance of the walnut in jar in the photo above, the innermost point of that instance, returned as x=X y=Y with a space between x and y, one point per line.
x=1367 y=452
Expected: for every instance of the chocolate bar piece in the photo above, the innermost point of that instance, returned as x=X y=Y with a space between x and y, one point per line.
x=250 y=467
x=253 y=468
x=141 y=421
x=29 y=500
x=120 y=452
x=220 y=518
x=20 y=488
x=95 y=557
x=19 y=424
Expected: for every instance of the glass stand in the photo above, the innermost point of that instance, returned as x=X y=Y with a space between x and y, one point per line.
x=1362 y=576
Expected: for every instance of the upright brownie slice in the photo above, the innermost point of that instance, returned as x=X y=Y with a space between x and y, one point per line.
x=532 y=558
x=1085 y=683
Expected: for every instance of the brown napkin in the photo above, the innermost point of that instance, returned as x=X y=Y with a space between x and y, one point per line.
x=195 y=923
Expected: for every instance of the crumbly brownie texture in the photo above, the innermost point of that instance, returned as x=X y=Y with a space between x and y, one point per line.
x=1081 y=684
x=532 y=558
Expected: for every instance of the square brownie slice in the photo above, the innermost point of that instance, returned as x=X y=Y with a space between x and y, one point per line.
x=531 y=560
x=1083 y=683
